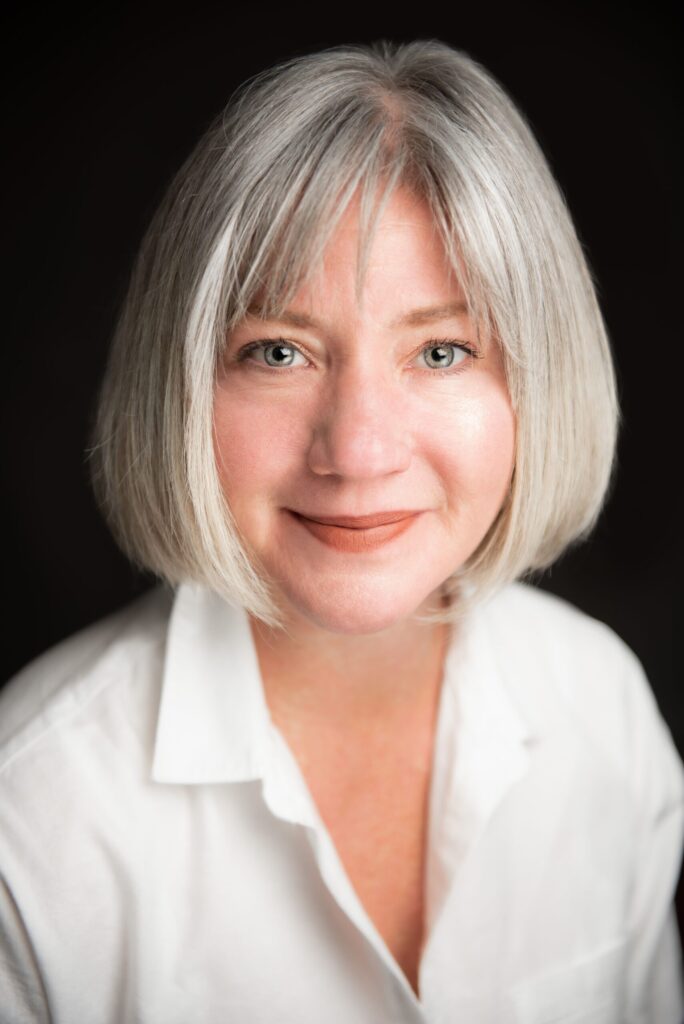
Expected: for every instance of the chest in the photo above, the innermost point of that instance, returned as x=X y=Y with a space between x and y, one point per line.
x=375 y=809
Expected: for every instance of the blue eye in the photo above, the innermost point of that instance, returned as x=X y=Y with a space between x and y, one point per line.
x=441 y=355
x=276 y=353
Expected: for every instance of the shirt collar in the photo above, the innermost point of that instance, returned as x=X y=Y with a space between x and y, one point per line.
x=214 y=724
x=495 y=734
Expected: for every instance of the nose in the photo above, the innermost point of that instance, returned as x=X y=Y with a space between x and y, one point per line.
x=361 y=429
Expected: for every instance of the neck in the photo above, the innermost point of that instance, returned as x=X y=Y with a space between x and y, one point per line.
x=310 y=672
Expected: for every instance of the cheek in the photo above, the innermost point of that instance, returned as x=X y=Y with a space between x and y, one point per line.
x=475 y=443
x=255 y=443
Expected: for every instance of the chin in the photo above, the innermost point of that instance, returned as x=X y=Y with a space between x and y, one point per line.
x=352 y=609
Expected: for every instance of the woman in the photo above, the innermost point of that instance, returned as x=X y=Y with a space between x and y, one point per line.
x=342 y=767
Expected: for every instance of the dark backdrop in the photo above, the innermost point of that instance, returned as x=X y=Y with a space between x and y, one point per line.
x=102 y=110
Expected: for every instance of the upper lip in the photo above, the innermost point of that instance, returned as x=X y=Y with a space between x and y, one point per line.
x=361 y=522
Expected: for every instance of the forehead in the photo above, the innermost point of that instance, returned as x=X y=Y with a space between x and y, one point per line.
x=395 y=262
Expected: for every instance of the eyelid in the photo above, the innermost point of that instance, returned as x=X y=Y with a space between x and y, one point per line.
x=459 y=343
x=264 y=343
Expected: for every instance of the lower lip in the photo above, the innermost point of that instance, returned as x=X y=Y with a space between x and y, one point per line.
x=343 y=538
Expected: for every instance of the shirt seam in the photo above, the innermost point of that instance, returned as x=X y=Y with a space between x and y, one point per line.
x=110 y=677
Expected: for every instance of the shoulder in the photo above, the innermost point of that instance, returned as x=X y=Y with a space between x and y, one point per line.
x=565 y=644
x=557 y=646
x=572 y=672
x=77 y=677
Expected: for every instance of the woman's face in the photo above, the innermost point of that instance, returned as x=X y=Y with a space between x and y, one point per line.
x=342 y=408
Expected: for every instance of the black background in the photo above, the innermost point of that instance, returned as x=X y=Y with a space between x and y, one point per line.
x=102 y=108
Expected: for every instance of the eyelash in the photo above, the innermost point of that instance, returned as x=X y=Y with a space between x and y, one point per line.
x=254 y=346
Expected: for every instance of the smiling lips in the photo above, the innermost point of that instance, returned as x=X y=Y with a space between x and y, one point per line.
x=358 y=533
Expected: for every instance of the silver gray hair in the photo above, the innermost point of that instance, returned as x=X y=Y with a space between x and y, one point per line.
x=249 y=214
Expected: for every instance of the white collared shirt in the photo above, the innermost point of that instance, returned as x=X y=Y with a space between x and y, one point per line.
x=163 y=862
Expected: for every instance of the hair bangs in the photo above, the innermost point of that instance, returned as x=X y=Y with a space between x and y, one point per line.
x=281 y=237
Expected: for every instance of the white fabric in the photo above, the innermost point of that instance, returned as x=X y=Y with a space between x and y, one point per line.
x=163 y=862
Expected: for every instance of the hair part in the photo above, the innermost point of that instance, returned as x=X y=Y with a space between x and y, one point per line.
x=248 y=217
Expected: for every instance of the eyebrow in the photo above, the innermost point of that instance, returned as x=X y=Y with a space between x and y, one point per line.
x=414 y=318
x=427 y=314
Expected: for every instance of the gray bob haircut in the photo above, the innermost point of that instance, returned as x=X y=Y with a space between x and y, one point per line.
x=247 y=219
